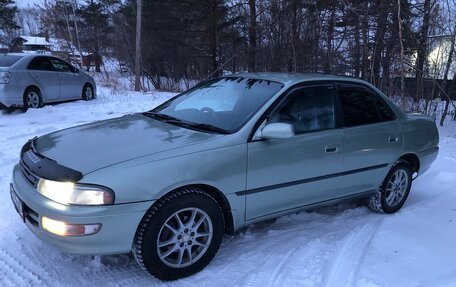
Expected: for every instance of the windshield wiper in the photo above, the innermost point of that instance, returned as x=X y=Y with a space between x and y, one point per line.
x=165 y=117
x=208 y=127
x=199 y=126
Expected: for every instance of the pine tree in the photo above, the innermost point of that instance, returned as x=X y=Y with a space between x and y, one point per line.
x=8 y=12
x=96 y=29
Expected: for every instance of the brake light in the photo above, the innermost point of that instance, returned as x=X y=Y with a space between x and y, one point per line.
x=5 y=77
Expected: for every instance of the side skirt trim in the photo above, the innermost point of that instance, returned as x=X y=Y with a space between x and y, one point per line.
x=307 y=180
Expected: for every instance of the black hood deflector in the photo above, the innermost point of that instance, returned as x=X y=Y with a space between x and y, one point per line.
x=44 y=167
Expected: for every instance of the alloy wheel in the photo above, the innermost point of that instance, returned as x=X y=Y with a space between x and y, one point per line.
x=33 y=100
x=184 y=237
x=88 y=93
x=396 y=187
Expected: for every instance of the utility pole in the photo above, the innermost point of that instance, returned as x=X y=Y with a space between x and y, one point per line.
x=138 y=45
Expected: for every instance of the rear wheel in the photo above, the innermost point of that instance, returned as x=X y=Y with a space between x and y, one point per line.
x=87 y=92
x=33 y=99
x=179 y=235
x=393 y=192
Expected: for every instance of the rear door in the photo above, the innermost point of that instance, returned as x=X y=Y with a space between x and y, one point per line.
x=372 y=138
x=42 y=73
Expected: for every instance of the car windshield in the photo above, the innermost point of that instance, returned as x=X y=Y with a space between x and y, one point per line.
x=8 y=60
x=221 y=105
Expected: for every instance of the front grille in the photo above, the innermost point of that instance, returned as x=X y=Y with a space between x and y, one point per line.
x=31 y=215
x=33 y=179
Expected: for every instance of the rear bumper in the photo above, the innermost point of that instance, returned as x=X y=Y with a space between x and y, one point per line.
x=11 y=95
x=427 y=157
x=118 y=222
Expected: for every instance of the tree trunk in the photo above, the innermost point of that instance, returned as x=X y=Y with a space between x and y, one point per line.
x=294 y=33
x=213 y=39
x=445 y=79
x=252 y=35
x=357 y=54
x=365 y=36
x=97 y=49
x=138 y=45
x=422 y=49
x=382 y=19
x=401 y=45
x=329 y=40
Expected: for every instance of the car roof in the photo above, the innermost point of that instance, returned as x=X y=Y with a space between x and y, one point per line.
x=17 y=54
x=290 y=79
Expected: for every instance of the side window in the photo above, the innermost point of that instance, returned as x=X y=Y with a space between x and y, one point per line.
x=308 y=109
x=60 y=66
x=40 y=64
x=362 y=107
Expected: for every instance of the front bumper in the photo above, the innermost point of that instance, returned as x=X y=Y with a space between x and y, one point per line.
x=118 y=222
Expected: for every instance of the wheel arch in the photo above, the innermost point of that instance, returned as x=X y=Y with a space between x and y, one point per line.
x=413 y=161
x=219 y=197
x=32 y=87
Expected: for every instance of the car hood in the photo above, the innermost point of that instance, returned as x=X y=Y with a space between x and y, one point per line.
x=93 y=146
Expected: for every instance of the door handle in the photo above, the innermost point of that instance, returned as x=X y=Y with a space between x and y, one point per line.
x=393 y=139
x=331 y=148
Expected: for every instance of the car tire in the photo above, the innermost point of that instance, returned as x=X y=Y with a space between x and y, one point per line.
x=393 y=192
x=32 y=99
x=179 y=235
x=87 y=92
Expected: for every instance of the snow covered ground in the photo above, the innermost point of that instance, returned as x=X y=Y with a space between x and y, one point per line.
x=346 y=245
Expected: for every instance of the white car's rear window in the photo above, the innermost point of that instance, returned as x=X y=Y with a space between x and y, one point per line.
x=9 y=60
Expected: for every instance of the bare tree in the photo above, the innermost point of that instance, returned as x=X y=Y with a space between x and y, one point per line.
x=401 y=45
x=138 y=69
x=252 y=35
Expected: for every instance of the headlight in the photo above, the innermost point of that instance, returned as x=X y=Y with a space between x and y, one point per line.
x=5 y=77
x=75 y=193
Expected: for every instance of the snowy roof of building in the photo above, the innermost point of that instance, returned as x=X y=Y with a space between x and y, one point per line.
x=31 y=41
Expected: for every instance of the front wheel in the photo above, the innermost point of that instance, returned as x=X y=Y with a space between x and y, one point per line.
x=393 y=192
x=179 y=235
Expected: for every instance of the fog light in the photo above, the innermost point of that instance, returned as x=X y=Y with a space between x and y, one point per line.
x=68 y=229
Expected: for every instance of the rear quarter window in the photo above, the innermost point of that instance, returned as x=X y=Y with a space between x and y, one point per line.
x=8 y=60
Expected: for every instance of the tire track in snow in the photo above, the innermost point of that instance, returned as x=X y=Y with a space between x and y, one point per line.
x=272 y=272
x=17 y=270
x=121 y=268
x=343 y=269
x=276 y=272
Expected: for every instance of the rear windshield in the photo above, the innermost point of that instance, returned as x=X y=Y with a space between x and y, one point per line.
x=8 y=60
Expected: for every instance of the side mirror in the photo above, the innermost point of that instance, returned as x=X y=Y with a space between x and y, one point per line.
x=278 y=131
x=75 y=70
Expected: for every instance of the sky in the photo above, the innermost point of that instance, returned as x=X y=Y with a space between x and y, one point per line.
x=25 y=3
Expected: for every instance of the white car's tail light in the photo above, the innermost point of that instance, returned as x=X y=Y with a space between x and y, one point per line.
x=68 y=229
x=5 y=77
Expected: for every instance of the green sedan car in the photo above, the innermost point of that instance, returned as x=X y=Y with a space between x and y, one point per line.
x=167 y=184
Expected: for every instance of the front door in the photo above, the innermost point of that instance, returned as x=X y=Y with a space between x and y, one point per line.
x=290 y=173
x=70 y=86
